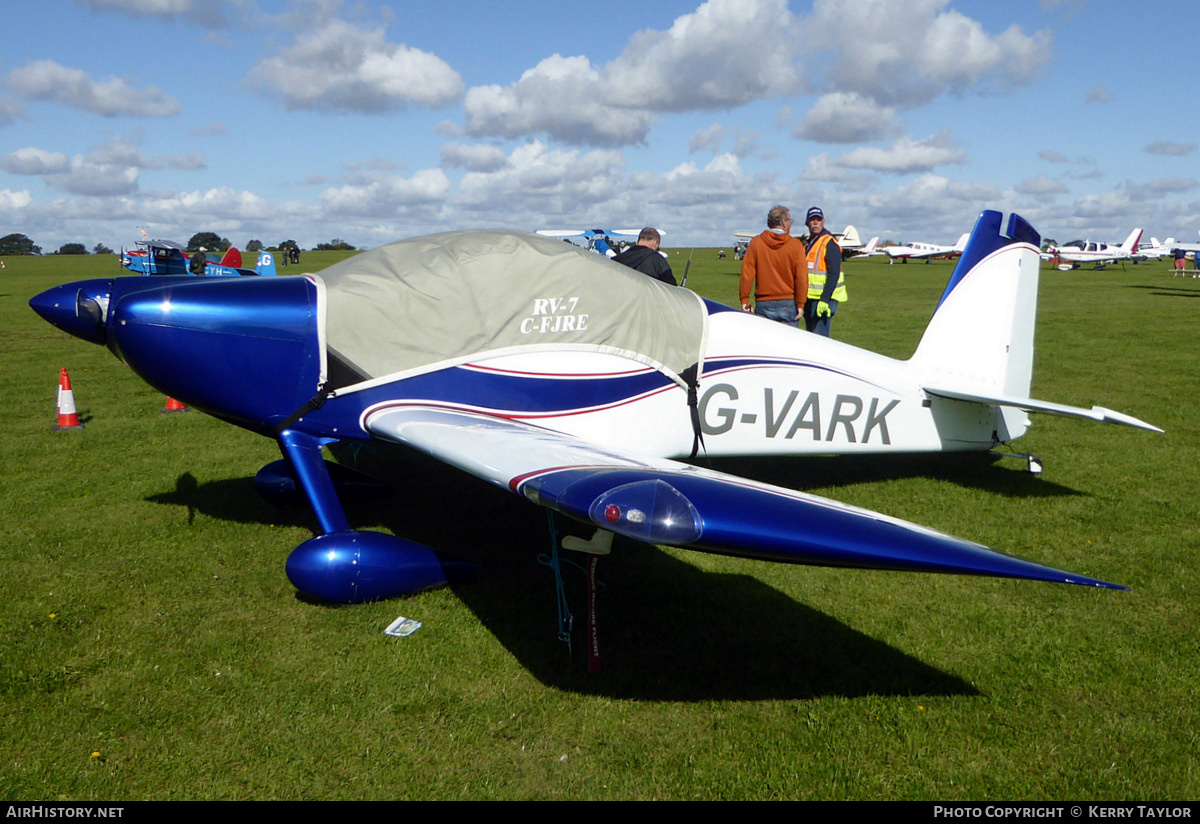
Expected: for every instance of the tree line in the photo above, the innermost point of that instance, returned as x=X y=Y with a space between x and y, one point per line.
x=18 y=244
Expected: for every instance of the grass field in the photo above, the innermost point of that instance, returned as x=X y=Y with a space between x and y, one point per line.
x=151 y=646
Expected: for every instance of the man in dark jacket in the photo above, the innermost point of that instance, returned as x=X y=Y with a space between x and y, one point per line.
x=644 y=257
x=198 y=262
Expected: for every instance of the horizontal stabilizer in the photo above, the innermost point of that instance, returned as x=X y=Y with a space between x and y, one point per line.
x=659 y=501
x=1096 y=413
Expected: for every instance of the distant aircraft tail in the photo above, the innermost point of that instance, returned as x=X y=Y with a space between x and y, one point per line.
x=850 y=238
x=1131 y=243
x=962 y=242
x=869 y=249
x=232 y=258
x=978 y=347
x=266 y=263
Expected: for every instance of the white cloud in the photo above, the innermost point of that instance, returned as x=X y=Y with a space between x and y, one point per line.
x=1109 y=204
x=709 y=139
x=822 y=168
x=1052 y=156
x=1160 y=188
x=206 y=12
x=909 y=53
x=107 y=171
x=848 y=117
x=906 y=155
x=544 y=183
x=214 y=129
x=219 y=204
x=388 y=196
x=931 y=201
x=10 y=110
x=14 y=200
x=156 y=8
x=188 y=162
x=688 y=185
x=112 y=96
x=344 y=67
x=1165 y=147
x=724 y=54
x=1098 y=94
x=96 y=179
x=1040 y=187
x=562 y=97
x=476 y=157
x=110 y=169
x=122 y=152
x=31 y=161
x=713 y=138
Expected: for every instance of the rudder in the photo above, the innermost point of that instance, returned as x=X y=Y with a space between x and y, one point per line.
x=980 y=339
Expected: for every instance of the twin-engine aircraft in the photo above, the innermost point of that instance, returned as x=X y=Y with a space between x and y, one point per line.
x=579 y=385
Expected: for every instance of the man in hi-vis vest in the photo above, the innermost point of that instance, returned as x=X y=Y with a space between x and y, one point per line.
x=826 y=280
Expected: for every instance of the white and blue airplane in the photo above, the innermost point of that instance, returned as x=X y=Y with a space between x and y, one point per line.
x=597 y=240
x=584 y=387
x=166 y=257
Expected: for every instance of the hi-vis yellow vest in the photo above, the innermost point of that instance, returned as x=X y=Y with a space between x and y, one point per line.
x=816 y=272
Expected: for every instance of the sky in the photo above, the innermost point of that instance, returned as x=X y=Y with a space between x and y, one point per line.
x=373 y=121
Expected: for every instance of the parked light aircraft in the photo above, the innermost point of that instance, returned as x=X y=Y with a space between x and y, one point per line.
x=578 y=384
x=166 y=257
x=1168 y=246
x=870 y=250
x=598 y=240
x=1089 y=251
x=1155 y=249
x=848 y=240
x=924 y=251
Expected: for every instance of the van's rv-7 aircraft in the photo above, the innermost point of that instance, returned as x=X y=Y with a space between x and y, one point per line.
x=579 y=385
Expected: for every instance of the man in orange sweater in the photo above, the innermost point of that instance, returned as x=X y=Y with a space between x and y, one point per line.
x=775 y=268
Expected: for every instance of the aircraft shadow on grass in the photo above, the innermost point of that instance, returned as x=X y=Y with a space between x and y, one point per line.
x=719 y=636
x=971 y=470
x=1172 y=291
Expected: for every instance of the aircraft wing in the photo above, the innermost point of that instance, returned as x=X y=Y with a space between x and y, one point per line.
x=1096 y=413
x=659 y=501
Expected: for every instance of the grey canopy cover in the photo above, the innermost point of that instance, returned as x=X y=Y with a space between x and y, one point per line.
x=449 y=297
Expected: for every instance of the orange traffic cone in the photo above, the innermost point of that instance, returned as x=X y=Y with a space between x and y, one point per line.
x=67 y=418
x=174 y=406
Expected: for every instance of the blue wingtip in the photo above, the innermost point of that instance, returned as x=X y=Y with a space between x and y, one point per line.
x=986 y=238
